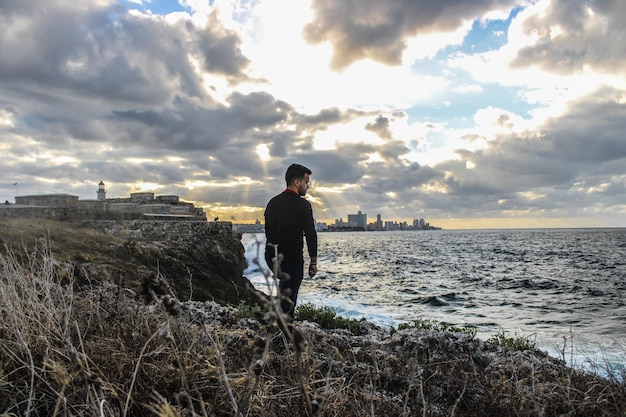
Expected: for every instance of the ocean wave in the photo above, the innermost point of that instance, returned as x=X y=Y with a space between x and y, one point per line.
x=555 y=283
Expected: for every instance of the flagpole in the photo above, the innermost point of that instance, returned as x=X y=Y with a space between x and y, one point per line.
x=17 y=189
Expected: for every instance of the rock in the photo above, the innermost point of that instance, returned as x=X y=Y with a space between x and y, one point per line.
x=201 y=260
x=198 y=260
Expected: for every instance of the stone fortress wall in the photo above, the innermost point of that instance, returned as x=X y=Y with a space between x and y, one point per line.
x=151 y=230
x=137 y=206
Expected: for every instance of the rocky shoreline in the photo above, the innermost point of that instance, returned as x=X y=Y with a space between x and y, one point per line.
x=76 y=339
x=406 y=372
x=201 y=260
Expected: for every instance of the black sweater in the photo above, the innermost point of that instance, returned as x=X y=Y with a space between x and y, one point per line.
x=287 y=218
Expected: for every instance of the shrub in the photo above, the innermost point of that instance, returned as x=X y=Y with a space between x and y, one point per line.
x=520 y=343
x=326 y=318
x=247 y=311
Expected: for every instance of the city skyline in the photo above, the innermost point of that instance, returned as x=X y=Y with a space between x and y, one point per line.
x=359 y=221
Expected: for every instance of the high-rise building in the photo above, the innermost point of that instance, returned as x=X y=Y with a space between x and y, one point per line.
x=358 y=220
x=339 y=222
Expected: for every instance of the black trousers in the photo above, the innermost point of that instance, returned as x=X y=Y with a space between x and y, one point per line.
x=288 y=287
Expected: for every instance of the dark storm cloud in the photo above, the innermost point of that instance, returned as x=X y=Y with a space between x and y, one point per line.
x=330 y=168
x=85 y=51
x=339 y=166
x=187 y=126
x=238 y=159
x=591 y=140
x=380 y=127
x=106 y=53
x=571 y=145
x=517 y=163
x=571 y=159
x=391 y=188
x=327 y=117
x=258 y=109
x=398 y=177
x=280 y=144
x=575 y=34
x=324 y=117
x=378 y=30
x=392 y=150
x=221 y=49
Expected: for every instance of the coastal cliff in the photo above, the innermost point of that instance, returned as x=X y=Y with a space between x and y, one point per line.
x=200 y=260
x=131 y=319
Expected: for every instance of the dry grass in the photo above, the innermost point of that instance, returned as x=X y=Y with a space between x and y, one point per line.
x=101 y=350
x=64 y=239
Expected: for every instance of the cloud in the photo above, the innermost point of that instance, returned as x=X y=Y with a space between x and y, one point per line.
x=380 y=30
x=571 y=37
x=529 y=126
x=186 y=126
x=221 y=49
x=560 y=164
x=380 y=127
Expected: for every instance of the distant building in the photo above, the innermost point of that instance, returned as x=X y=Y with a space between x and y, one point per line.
x=379 y=223
x=47 y=200
x=145 y=204
x=358 y=220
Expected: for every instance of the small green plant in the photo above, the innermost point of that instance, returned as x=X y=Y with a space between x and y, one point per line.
x=438 y=326
x=520 y=343
x=247 y=311
x=326 y=318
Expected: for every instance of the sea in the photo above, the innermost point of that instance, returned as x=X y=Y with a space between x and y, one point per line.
x=562 y=289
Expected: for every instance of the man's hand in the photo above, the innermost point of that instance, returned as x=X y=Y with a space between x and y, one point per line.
x=312 y=270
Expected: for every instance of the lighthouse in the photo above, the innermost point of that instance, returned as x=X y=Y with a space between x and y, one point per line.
x=102 y=192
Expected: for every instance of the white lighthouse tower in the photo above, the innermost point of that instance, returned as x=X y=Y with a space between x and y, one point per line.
x=102 y=192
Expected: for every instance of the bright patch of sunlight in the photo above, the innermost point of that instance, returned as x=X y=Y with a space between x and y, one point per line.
x=142 y=187
x=233 y=182
x=139 y=161
x=6 y=119
x=62 y=160
x=263 y=151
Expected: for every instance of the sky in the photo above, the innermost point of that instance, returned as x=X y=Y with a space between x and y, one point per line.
x=466 y=113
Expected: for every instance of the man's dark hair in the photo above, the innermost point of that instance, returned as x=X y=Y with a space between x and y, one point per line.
x=295 y=172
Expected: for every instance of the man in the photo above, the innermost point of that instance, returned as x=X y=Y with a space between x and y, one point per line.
x=288 y=217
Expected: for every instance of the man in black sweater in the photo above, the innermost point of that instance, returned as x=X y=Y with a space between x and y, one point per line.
x=288 y=217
